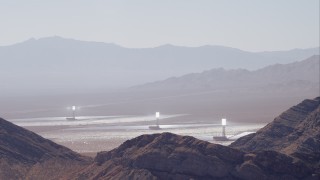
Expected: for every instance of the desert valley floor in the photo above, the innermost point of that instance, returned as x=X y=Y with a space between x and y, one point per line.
x=91 y=134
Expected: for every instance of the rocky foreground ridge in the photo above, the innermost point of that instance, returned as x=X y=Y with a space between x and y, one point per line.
x=26 y=155
x=170 y=156
x=295 y=132
x=287 y=148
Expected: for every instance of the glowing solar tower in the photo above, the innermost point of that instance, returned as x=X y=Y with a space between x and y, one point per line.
x=157 y=122
x=223 y=123
x=157 y=116
x=74 y=112
x=73 y=108
x=223 y=137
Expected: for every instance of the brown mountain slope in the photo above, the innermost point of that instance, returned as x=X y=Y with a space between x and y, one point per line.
x=295 y=132
x=170 y=156
x=24 y=154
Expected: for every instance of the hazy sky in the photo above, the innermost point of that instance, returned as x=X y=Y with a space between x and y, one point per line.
x=253 y=25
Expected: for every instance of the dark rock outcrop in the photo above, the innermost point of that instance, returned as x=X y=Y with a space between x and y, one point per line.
x=24 y=154
x=170 y=156
x=296 y=132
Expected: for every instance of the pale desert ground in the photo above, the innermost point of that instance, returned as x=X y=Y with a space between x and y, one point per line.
x=89 y=135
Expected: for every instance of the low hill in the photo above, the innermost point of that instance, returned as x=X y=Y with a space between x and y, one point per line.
x=170 y=156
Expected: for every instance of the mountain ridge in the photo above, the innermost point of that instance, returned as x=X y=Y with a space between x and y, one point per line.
x=305 y=70
x=56 y=37
x=71 y=64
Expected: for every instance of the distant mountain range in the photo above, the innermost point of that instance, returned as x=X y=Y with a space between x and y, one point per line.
x=56 y=64
x=242 y=95
x=301 y=74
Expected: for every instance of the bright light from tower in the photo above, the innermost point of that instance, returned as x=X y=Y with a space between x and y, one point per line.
x=224 y=122
x=73 y=108
x=157 y=114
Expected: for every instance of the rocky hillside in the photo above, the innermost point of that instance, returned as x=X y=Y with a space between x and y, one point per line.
x=170 y=156
x=24 y=154
x=295 y=132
